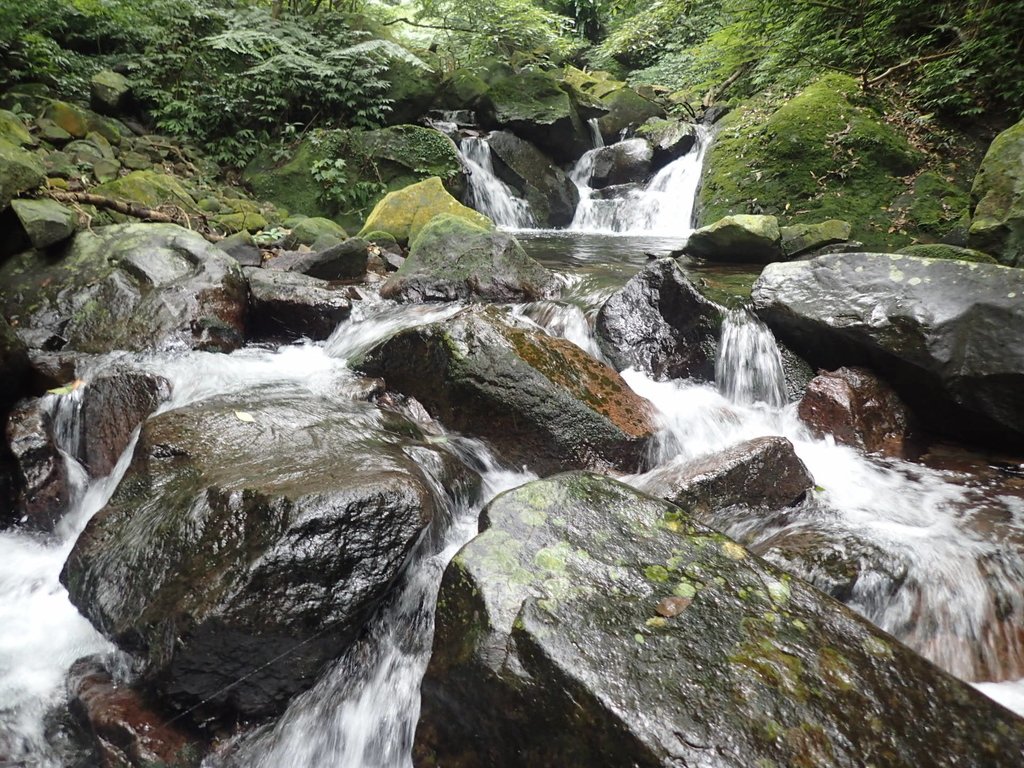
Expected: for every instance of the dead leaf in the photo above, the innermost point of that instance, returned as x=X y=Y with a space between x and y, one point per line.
x=67 y=389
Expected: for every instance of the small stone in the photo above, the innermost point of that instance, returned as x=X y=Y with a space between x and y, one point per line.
x=670 y=607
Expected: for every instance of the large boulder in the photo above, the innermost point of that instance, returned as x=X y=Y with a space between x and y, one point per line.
x=149 y=188
x=997 y=199
x=454 y=259
x=592 y=625
x=13 y=130
x=802 y=239
x=551 y=193
x=945 y=333
x=404 y=213
x=133 y=287
x=346 y=260
x=541 y=400
x=856 y=408
x=660 y=323
x=44 y=222
x=251 y=538
x=627 y=111
x=670 y=139
x=763 y=474
x=742 y=238
x=288 y=305
x=109 y=92
x=20 y=171
x=625 y=162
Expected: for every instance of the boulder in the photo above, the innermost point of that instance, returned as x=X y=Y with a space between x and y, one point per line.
x=12 y=130
x=45 y=222
x=289 y=305
x=344 y=261
x=240 y=221
x=670 y=139
x=944 y=332
x=42 y=475
x=944 y=251
x=405 y=154
x=250 y=540
x=660 y=323
x=20 y=171
x=72 y=119
x=857 y=408
x=126 y=729
x=550 y=192
x=132 y=287
x=149 y=188
x=318 y=233
x=110 y=93
x=15 y=364
x=453 y=259
x=801 y=239
x=404 y=213
x=540 y=400
x=242 y=247
x=627 y=111
x=763 y=474
x=592 y=625
x=626 y=162
x=532 y=105
x=742 y=238
x=997 y=199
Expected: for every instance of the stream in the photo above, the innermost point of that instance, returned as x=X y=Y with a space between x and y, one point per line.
x=940 y=541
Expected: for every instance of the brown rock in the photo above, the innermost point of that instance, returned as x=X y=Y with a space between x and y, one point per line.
x=112 y=407
x=856 y=408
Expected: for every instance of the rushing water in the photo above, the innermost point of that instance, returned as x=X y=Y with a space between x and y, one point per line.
x=489 y=194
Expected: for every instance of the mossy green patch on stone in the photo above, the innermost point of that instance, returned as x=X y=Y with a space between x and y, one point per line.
x=149 y=188
x=20 y=171
x=13 y=130
x=404 y=214
x=943 y=251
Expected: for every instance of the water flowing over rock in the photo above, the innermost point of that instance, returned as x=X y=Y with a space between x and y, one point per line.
x=749 y=366
x=552 y=195
x=626 y=162
x=660 y=323
x=542 y=401
x=452 y=259
x=44 y=486
x=489 y=194
x=856 y=408
x=290 y=305
x=945 y=333
x=674 y=647
x=132 y=287
x=250 y=539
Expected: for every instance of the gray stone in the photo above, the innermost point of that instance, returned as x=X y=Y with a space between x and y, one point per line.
x=46 y=222
x=290 y=305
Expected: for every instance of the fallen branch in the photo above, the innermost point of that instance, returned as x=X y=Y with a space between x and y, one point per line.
x=908 y=63
x=135 y=210
x=715 y=92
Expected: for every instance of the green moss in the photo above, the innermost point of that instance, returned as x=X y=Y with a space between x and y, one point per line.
x=943 y=251
x=289 y=183
x=403 y=214
x=149 y=188
x=533 y=96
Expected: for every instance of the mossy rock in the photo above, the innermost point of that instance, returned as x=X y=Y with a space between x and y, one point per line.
x=627 y=110
x=14 y=131
x=150 y=189
x=289 y=183
x=412 y=91
x=312 y=229
x=110 y=92
x=935 y=204
x=70 y=118
x=45 y=222
x=801 y=239
x=463 y=89
x=383 y=239
x=595 y=85
x=821 y=155
x=943 y=251
x=405 y=154
x=20 y=171
x=404 y=213
x=997 y=199
x=740 y=238
x=239 y=221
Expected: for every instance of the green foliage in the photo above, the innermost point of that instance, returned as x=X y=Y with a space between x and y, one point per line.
x=341 y=188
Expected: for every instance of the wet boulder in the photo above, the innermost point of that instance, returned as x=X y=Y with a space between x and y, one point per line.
x=346 y=260
x=44 y=222
x=251 y=538
x=764 y=474
x=670 y=139
x=404 y=213
x=540 y=400
x=44 y=488
x=132 y=287
x=290 y=305
x=627 y=162
x=857 y=408
x=997 y=199
x=627 y=110
x=742 y=238
x=453 y=259
x=592 y=625
x=660 y=323
x=946 y=333
x=551 y=193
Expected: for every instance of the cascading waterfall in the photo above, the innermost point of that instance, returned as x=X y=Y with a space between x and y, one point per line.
x=748 y=368
x=489 y=194
x=596 y=138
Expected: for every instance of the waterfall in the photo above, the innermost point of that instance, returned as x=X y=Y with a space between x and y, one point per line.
x=489 y=194
x=663 y=207
x=595 y=133
x=748 y=368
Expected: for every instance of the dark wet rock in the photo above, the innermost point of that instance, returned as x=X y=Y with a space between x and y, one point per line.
x=802 y=239
x=128 y=731
x=627 y=162
x=44 y=491
x=997 y=199
x=660 y=323
x=617 y=191
x=51 y=370
x=291 y=305
x=110 y=92
x=251 y=538
x=857 y=408
x=591 y=625
x=133 y=287
x=670 y=139
x=550 y=192
x=242 y=248
x=453 y=259
x=742 y=238
x=15 y=367
x=113 y=405
x=764 y=473
x=945 y=333
x=541 y=400
x=797 y=372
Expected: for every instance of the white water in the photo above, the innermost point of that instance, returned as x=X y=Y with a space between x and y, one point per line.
x=663 y=207
x=595 y=133
x=749 y=366
x=489 y=194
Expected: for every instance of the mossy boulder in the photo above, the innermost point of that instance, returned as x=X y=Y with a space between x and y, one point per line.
x=943 y=251
x=241 y=221
x=627 y=111
x=109 y=92
x=404 y=213
x=14 y=131
x=739 y=238
x=454 y=259
x=462 y=89
x=997 y=199
x=405 y=154
x=592 y=625
x=412 y=90
x=149 y=188
x=540 y=400
x=45 y=222
x=801 y=239
x=20 y=171
x=824 y=154
x=69 y=117
x=669 y=138
x=316 y=230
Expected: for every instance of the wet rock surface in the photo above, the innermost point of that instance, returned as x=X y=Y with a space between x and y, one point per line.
x=344 y=261
x=740 y=238
x=591 y=625
x=660 y=323
x=249 y=541
x=288 y=305
x=540 y=400
x=44 y=491
x=625 y=162
x=857 y=408
x=944 y=332
x=552 y=195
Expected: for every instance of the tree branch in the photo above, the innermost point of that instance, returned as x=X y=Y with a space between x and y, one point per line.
x=443 y=27
x=135 y=210
x=716 y=91
x=909 y=63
